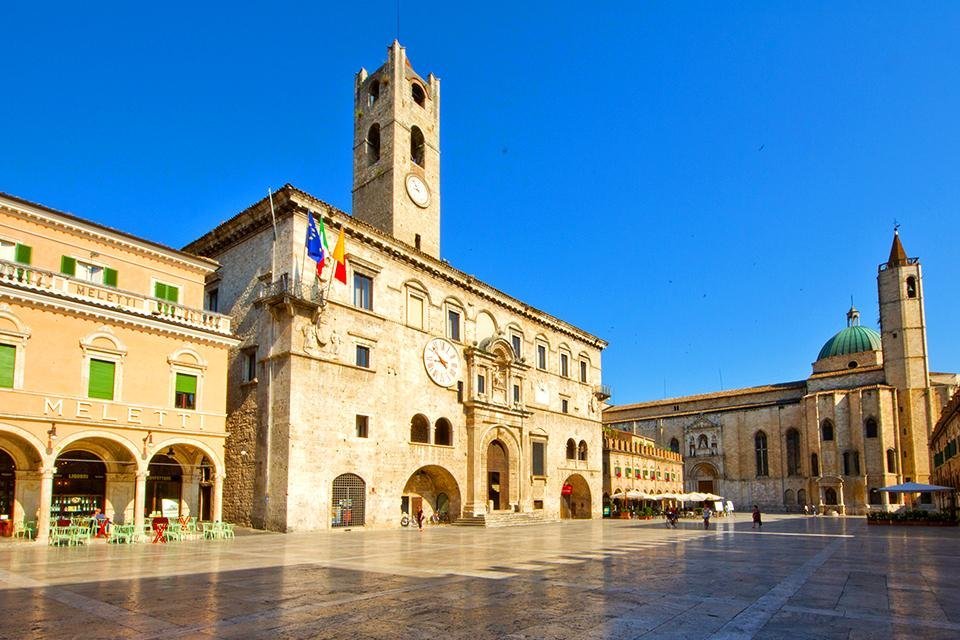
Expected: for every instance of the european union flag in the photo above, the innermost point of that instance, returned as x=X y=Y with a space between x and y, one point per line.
x=314 y=244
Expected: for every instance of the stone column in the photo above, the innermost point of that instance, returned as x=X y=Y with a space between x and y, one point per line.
x=216 y=510
x=841 y=507
x=139 y=498
x=46 y=496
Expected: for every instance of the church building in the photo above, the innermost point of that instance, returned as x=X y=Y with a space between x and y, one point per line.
x=392 y=382
x=860 y=422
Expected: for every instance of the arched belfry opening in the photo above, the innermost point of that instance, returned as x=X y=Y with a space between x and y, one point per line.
x=373 y=144
x=418 y=147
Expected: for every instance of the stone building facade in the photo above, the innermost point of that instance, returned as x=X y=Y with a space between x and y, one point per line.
x=944 y=444
x=411 y=385
x=858 y=423
x=635 y=463
x=112 y=373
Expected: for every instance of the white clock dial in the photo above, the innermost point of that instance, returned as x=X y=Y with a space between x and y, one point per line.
x=418 y=191
x=442 y=362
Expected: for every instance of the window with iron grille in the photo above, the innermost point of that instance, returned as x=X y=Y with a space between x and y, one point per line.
x=349 y=500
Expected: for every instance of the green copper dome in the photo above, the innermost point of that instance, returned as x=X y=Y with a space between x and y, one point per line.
x=853 y=339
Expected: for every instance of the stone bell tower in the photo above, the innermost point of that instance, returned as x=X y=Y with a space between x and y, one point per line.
x=903 y=333
x=396 y=152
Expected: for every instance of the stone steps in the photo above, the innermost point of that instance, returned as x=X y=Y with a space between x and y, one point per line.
x=502 y=519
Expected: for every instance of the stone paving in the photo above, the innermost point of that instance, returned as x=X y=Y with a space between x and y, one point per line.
x=799 y=578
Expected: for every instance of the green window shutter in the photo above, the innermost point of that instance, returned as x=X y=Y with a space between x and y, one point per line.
x=101 y=379
x=110 y=277
x=22 y=254
x=186 y=383
x=8 y=360
x=166 y=292
x=68 y=265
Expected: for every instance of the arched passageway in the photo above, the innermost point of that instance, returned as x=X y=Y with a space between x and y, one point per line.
x=575 y=499
x=433 y=489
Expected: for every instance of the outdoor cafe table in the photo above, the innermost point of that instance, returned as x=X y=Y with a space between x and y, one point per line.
x=159 y=528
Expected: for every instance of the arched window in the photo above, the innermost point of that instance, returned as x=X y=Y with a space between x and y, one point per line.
x=418 y=147
x=814 y=465
x=826 y=430
x=349 y=500
x=801 y=496
x=870 y=427
x=793 y=452
x=571 y=449
x=788 y=497
x=674 y=445
x=373 y=92
x=760 y=448
x=582 y=450
x=419 y=95
x=891 y=461
x=373 y=144
x=911 y=287
x=443 y=432
x=702 y=442
x=419 y=429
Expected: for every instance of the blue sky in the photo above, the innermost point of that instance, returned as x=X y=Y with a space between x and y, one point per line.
x=702 y=185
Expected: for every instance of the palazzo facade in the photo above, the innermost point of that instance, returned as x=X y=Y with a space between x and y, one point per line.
x=860 y=422
x=112 y=374
x=408 y=384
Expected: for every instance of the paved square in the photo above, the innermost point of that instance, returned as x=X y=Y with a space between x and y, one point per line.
x=797 y=578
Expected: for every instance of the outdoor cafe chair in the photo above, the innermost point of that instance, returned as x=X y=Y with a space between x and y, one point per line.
x=23 y=529
x=211 y=531
x=226 y=530
x=121 y=534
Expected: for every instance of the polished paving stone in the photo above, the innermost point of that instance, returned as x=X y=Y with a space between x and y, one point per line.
x=799 y=578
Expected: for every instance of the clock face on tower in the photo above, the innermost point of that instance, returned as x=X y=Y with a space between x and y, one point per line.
x=418 y=191
x=442 y=362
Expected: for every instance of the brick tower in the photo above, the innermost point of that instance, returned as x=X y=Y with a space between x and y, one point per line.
x=904 y=337
x=396 y=152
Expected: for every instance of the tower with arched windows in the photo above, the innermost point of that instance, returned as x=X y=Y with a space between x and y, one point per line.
x=396 y=152
x=905 y=364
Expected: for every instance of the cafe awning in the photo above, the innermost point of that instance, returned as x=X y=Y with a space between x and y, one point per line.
x=915 y=487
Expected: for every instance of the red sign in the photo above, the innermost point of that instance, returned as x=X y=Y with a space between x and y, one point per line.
x=566 y=490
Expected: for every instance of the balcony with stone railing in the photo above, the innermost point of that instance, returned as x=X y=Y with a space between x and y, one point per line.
x=30 y=279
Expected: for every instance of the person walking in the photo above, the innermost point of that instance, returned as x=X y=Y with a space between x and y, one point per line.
x=706 y=517
x=757 y=522
x=420 y=518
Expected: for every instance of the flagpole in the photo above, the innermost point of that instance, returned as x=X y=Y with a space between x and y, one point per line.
x=273 y=253
x=303 y=257
x=333 y=267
